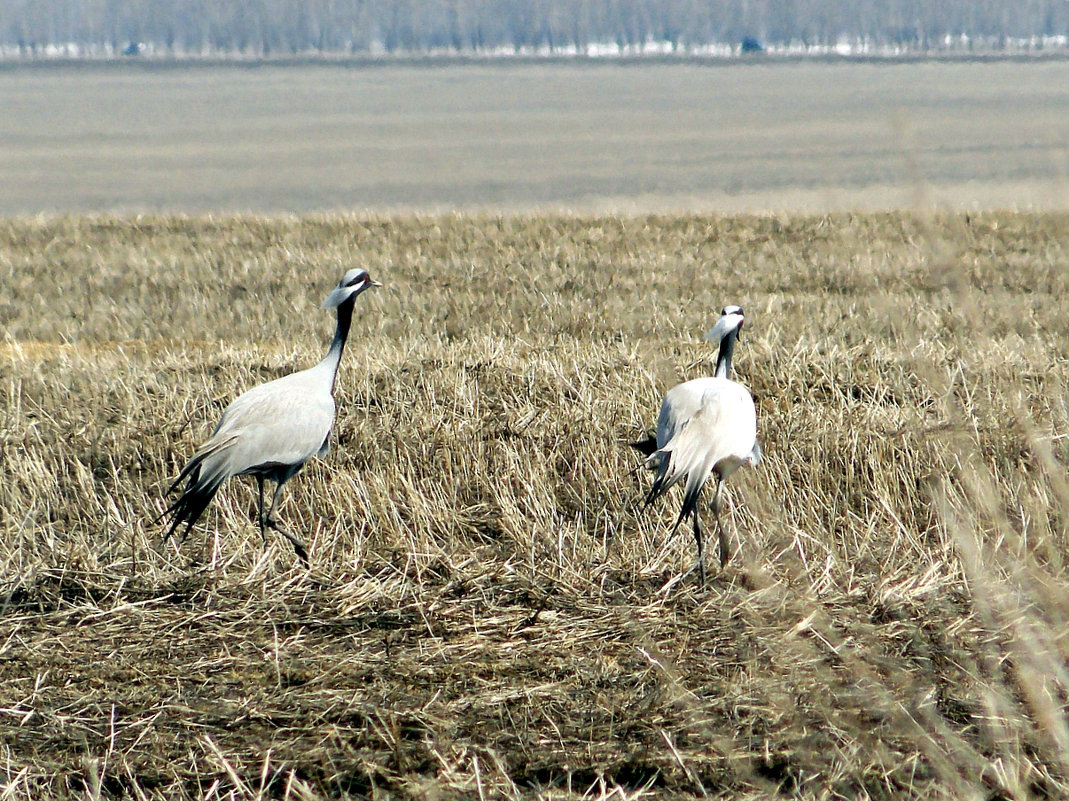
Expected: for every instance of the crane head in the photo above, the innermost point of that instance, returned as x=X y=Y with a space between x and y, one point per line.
x=730 y=321
x=351 y=284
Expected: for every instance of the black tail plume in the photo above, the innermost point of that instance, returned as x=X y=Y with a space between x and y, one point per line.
x=690 y=505
x=646 y=446
x=192 y=502
x=660 y=481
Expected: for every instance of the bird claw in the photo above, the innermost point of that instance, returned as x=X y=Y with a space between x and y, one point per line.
x=700 y=567
x=298 y=546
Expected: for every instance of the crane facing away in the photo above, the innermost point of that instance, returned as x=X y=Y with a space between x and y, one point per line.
x=707 y=427
x=270 y=431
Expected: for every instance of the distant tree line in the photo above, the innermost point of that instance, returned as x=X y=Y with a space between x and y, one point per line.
x=267 y=27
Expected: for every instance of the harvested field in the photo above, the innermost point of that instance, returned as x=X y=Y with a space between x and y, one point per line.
x=808 y=137
x=488 y=611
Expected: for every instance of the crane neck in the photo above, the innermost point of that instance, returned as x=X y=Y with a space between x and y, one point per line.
x=727 y=349
x=333 y=358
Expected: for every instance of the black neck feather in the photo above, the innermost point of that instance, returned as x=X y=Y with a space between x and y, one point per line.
x=341 y=334
x=723 y=359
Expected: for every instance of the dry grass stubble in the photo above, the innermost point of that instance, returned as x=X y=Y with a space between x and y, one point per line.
x=488 y=611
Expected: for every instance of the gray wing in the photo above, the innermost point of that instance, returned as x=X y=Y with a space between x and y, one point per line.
x=278 y=425
x=283 y=422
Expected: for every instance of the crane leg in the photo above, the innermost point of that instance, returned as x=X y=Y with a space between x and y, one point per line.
x=725 y=546
x=722 y=535
x=272 y=521
x=701 y=547
x=260 y=487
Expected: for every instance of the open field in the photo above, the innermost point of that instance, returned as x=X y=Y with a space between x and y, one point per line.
x=488 y=612
x=811 y=137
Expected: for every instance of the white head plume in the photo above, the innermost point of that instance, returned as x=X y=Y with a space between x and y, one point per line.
x=352 y=283
x=731 y=319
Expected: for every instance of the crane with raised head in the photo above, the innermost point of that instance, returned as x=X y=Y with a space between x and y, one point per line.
x=707 y=427
x=272 y=430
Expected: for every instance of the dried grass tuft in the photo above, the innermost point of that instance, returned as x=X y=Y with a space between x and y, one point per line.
x=488 y=612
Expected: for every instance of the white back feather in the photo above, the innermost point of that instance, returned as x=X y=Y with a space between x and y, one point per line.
x=706 y=424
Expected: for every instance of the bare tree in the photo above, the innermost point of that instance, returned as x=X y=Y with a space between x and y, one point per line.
x=301 y=26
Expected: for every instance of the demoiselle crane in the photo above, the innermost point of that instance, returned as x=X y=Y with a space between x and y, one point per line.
x=270 y=431
x=707 y=427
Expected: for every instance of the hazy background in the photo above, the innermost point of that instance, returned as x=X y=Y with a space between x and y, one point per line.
x=272 y=27
x=802 y=135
